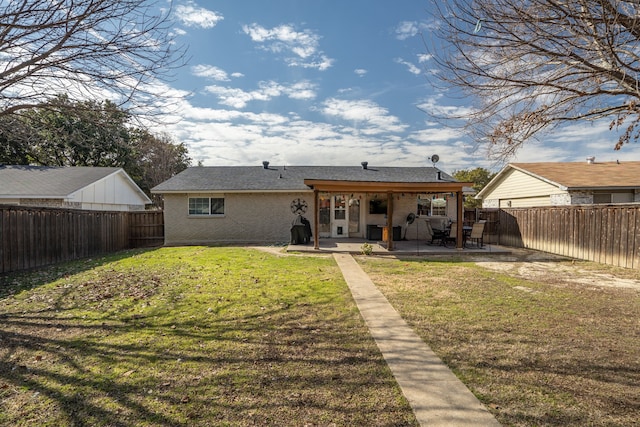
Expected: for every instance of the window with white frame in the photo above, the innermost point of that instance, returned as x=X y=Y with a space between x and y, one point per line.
x=206 y=206
x=432 y=206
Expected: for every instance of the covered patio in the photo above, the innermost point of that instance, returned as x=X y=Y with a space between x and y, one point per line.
x=390 y=189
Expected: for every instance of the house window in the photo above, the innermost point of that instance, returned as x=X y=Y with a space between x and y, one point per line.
x=439 y=207
x=424 y=207
x=432 y=206
x=340 y=209
x=206 y=206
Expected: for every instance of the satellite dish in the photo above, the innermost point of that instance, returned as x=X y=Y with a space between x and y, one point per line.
x=434 y=159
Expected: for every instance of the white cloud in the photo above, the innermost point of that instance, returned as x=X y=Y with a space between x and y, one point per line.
x=360 y=72
x=301 y=90
x=432 y=106
x=210 y=72
x=582 y=132
x=267 y=90
x=424 y=57
x=232 y=137
x=436 y=135
x=411 y=67
x=366 y=116
x=285 y=39
x=321 y=64
x=192 y=15
x=408 y=29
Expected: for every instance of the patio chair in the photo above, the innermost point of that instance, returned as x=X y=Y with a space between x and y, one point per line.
x=450 y=240
x=434 y=234
x=477 y=234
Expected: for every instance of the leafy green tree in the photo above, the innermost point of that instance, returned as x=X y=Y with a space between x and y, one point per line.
x=480 y=177
x=62 y=132
x=158 y=158
x=79 y=133
x=13 y=136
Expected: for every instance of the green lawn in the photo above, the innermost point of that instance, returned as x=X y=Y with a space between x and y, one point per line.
x=230 y=336
x=190 y=336
x=538 y=351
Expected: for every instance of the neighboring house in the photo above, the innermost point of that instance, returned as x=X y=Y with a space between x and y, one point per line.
x=251 y=204
x=560 y=184
x=91 y=188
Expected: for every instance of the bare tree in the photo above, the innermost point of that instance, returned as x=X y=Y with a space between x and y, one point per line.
x=84 y=48
x=528 y=66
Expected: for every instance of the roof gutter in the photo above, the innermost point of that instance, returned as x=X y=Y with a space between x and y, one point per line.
x=32 y=196
x=230 y=191
x=599 y=188
x=394 y=187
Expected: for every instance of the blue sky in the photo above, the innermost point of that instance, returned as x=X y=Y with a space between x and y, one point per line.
x=328 y=82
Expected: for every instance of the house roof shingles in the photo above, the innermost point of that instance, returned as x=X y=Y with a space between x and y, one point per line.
x=582 y=175
x=48 y=182
x=280 y=178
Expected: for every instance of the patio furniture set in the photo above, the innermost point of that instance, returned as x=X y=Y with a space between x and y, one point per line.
x=446 y=232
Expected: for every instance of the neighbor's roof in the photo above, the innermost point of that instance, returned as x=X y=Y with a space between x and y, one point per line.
x=52 y=182
x=576 y=175
x=281 y=178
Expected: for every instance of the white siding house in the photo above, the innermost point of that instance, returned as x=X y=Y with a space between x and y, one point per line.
x=90 y=188
x=557 y=184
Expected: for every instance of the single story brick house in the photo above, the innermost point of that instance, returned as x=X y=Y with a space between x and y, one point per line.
x=259 y=204
x=90 y=188
x=563 y=183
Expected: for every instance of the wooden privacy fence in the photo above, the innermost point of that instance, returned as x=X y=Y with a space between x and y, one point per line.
x=604 y=234
x=34 y=237
x=491 y=217
x=146 y=229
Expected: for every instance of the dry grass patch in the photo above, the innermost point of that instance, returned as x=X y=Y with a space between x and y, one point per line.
x=540 y=350
x=193 y=337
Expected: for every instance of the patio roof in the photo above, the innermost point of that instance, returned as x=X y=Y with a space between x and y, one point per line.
x=385 y=187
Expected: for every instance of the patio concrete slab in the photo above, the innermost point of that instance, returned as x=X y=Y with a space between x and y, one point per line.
x=401 y=248
x=437 y=396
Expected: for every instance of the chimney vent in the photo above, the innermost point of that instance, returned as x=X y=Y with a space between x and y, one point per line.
x=439 y=176
x=265 y=165
x=364 y=165
x=591 y=160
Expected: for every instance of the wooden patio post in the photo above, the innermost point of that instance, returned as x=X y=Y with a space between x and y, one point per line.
x=316 y=219
x=389 y=221
x=460 y=218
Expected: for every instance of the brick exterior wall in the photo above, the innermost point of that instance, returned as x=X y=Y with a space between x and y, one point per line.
x=59 y=203
x=491 y=204
x=579 y=198
x=561 y=199
x=248 y=218
x=265 y=218
x=44 y=203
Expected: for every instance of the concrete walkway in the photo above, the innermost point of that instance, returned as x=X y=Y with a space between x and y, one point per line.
x=437 y=396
